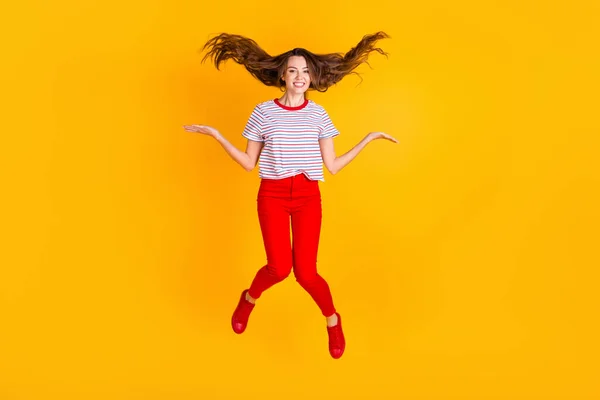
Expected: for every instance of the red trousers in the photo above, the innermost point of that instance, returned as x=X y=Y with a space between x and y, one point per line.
x=297 y=199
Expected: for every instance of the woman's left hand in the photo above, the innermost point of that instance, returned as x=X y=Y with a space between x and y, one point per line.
x=381 y=135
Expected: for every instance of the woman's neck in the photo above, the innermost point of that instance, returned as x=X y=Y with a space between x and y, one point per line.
x=292 y=100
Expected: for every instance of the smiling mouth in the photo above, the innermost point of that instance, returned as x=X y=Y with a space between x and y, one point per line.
x=298 y=84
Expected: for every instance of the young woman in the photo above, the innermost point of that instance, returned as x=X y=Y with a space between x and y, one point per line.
x=291 y=138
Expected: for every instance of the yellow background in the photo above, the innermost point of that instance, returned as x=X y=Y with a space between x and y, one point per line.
x=464 y=260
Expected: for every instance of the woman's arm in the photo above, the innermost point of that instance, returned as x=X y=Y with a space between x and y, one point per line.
x=335 y=164
x=247 y=159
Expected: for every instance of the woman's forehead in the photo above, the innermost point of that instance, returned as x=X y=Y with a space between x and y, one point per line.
x=296 y=61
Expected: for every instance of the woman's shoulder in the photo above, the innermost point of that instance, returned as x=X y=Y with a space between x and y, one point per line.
x=262 y=104
x=316 y=106
x=265 y=106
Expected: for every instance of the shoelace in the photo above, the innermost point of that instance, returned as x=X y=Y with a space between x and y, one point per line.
x=246 y=309
x=335 y=334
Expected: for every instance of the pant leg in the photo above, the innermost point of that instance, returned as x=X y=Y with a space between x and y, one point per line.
x=274 y=218
x=306 y=230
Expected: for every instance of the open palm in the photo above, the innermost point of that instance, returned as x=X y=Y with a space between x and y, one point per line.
x=204 y=129
x=382 y=135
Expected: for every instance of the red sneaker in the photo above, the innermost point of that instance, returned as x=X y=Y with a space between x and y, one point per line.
x=239 y=320
x=337 y=343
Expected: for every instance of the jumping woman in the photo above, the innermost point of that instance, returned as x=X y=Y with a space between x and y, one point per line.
x=290 y=137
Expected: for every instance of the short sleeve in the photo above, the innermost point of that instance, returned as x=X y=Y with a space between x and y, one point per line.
x=327 y=129
x=253 y=128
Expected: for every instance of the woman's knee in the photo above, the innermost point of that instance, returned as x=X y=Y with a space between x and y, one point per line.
x=306 y=278
x=279 y=271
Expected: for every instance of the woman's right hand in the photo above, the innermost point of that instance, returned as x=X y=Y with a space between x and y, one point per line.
x=204 y=129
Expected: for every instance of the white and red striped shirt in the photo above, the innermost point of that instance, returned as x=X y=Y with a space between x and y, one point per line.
x=291 y=138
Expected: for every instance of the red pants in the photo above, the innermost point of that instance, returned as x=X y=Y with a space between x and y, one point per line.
x=298 y=198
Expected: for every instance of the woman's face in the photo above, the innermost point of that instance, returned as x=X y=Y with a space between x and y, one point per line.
x=296 y=76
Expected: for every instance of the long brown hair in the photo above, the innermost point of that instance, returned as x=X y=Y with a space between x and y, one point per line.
x=325 y=69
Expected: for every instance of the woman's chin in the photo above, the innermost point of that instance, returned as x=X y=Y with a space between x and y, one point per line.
x=297 y=91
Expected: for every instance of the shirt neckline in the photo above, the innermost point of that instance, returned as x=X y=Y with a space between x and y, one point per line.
x=300 y=107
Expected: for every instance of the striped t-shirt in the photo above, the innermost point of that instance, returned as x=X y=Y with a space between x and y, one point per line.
x=291 y=138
